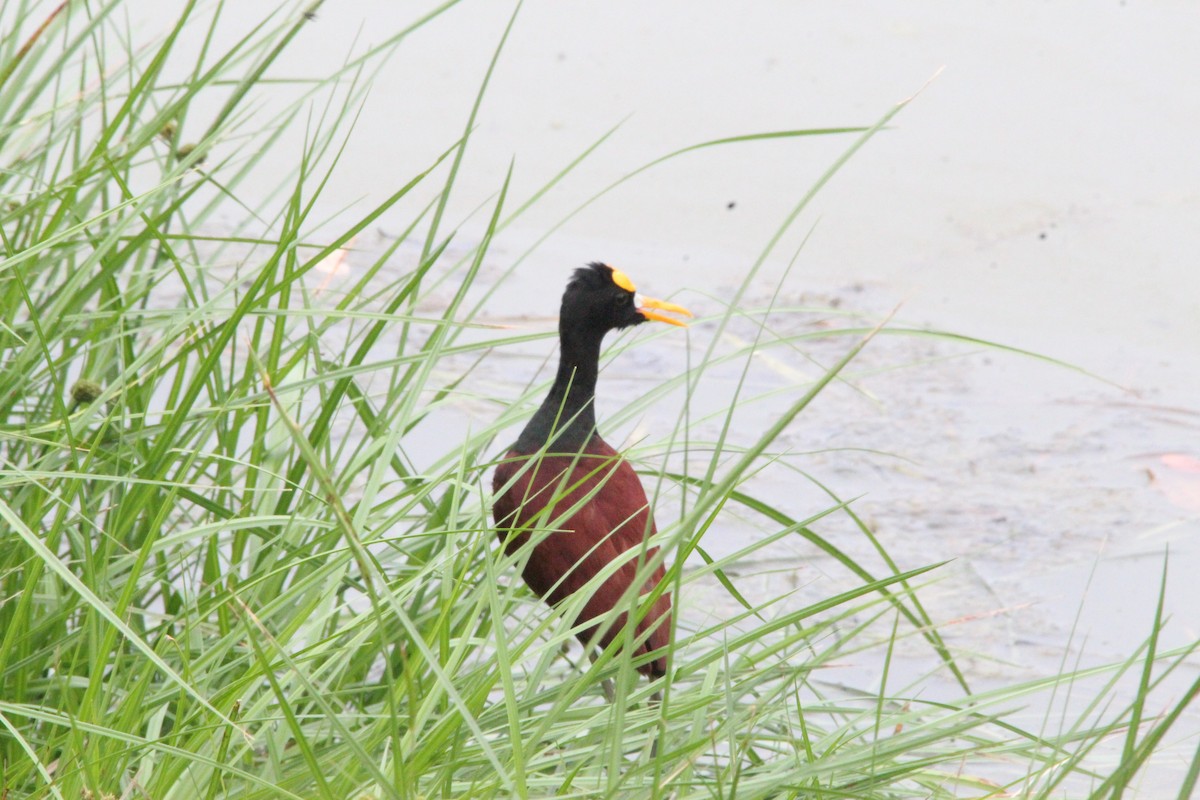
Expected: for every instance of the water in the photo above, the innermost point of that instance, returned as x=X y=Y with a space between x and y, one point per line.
x=1040 y=193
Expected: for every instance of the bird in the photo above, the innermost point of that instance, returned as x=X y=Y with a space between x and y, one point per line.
x=560 y=461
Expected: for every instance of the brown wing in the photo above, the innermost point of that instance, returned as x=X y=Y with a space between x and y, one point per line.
x=615 y=519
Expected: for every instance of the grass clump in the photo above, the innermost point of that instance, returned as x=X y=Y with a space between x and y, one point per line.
x=226 y=571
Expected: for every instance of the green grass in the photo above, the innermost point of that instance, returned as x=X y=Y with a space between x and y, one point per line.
x=225 y=572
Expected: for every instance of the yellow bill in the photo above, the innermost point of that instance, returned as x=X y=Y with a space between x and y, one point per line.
x=645 y=303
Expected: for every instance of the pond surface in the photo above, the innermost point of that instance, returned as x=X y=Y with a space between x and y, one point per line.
x=1043 y=192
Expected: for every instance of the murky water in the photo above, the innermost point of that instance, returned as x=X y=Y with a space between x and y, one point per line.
x=1041 y=192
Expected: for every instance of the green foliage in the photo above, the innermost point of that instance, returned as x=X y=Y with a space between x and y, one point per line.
x=225 y=573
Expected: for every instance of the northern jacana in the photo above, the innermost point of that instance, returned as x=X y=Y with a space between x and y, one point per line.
x=560 y=460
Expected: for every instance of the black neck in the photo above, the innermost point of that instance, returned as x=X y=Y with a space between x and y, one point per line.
x=567 y=417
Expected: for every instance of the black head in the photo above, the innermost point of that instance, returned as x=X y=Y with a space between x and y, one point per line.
x=599 y=299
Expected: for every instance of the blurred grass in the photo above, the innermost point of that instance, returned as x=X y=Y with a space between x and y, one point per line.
x=225 y=572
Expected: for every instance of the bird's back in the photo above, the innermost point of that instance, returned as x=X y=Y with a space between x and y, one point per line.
x=614 y=518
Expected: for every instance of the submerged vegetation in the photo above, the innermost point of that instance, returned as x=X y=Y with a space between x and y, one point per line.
x=225 y=572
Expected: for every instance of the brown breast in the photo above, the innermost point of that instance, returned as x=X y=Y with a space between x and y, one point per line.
x=613 y=516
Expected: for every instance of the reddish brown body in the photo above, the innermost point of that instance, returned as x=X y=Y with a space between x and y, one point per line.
x=615 y=519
